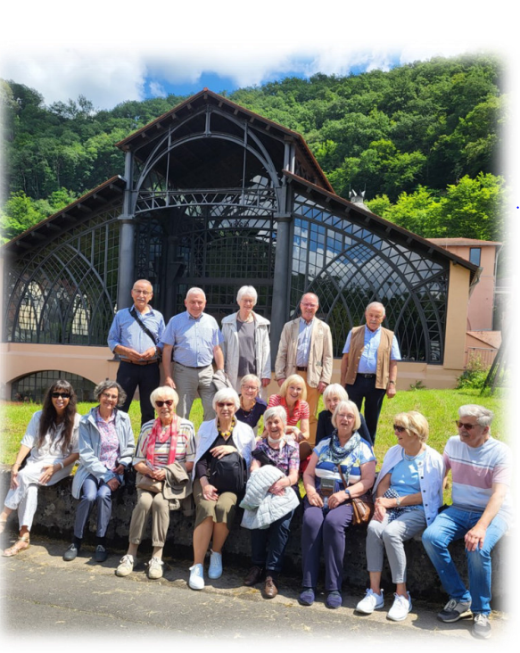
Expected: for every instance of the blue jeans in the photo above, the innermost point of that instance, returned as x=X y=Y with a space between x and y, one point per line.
x=451 y=525
x=268 y=544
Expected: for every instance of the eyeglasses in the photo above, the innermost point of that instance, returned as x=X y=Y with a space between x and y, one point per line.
x=107 y=396
x=310 y=305
x=252 y=388
x=399 y=429
x=160 y=403
x=62 y=395
x=141 y=292
x=465 y=425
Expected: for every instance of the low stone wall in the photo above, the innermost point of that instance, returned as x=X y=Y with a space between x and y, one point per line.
x=55 y=519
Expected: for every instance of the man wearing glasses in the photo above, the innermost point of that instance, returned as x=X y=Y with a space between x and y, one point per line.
x=135 y=336
x=481 y=512
x=306 y=349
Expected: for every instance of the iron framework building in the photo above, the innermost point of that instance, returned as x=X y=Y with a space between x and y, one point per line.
x=216 y=196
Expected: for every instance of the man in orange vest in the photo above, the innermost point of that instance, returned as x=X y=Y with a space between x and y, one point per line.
x=369 y=365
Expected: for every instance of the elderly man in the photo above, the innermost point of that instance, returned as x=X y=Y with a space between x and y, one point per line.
x=306 y=349
x=480 y=513
x=369 y=365
x=195 y=340
x=135 y=336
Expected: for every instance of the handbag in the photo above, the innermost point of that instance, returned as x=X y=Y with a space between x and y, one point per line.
x=148 y=484
x=363 y=506
x=228 y=474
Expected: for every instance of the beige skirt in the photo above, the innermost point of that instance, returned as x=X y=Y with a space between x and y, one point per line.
x=221 y=511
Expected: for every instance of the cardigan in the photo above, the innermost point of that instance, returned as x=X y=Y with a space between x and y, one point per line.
x=262 y=347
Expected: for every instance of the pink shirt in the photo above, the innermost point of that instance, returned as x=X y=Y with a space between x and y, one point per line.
x=300 y=410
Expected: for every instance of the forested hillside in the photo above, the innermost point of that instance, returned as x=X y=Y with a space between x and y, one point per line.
x=423 y=140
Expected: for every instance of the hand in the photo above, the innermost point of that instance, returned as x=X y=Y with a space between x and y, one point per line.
x=391 y=391
x=474 y=538
x=337 y=499
x=278 y=488
x=113 y=484
x=379 y=512
x=210 y=492
x=169 y=381
x=130 y=353
x=385 y=502
x=265 y=382
x=148 y=354
x=158 y=474
x=321 y=387
x=47 y=473
x=223 y=450
x=120 y=470
x=14 y=480
x=314 y=498
x=280 y=382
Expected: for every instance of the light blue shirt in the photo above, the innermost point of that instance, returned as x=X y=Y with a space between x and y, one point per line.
x=368 y=361
x=193 y=339
x=126 y=332
x=304 y=342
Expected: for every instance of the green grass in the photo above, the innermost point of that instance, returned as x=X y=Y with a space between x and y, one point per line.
x=439 y=407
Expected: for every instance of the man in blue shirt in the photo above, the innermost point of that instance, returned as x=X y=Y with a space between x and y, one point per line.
x=135 y=336
x=369 y=365
x=195 y=339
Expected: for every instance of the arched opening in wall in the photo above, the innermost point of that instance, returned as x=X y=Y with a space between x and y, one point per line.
x=32 y=388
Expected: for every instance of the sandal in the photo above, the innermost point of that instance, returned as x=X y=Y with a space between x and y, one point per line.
x=21 y=544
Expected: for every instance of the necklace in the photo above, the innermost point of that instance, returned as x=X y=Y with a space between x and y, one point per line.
x=226 y=434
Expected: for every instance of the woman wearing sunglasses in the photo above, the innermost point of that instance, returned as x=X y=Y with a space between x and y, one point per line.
x=408 y=495
x=51 y=439
x=162 y=443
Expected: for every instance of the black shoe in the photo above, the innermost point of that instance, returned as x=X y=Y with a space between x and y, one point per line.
x=71 y=553
x=100 y=554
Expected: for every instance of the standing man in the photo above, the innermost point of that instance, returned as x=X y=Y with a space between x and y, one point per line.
x=135 y=336
x=369 y=365
x=306 y=349
x=480 y=513
x=195 y=340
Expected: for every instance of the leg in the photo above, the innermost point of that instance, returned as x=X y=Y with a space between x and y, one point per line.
x=27 y=507
x=335 y=524
x=88 y=496
x=356 y=392
x=259 y=546
x=312 y=528
x=207 y=391
x=186 y=381
x=150 y=378
x=374 y=551
x=128 y=378
x=373 y=405
x=201 y=539
x=278 y=535
x=104 y=508
x=138 y=521
x=394 y=535
x=160 y=523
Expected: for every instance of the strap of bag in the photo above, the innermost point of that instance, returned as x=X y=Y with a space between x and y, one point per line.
x=133 y=313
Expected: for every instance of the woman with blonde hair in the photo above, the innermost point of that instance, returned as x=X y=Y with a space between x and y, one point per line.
x=292 y=396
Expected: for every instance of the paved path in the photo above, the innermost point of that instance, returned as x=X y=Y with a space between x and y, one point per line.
x=45 y=595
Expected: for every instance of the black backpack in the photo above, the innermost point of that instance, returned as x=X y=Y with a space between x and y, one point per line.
x=228 y=474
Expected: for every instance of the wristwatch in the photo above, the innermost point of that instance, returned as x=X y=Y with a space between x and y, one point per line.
x=347 y=492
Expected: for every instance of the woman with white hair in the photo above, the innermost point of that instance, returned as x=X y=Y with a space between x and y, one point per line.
x=332 y=395
x=163 y=443
x=252 y=407
x=408 y=495
x=223 y=456
x=246 y=344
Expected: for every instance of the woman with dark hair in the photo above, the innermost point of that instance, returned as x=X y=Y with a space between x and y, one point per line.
x=106 y=447
x=51 y=439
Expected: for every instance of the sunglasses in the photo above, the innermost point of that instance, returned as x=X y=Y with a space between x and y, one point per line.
x=160 y=404
x=465 y=425
x=62 y=395
x=399 y=429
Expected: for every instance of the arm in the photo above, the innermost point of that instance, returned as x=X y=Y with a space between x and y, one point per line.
x=291 y=479
x=344 y=368
x=302 y=433
x=49 y=471
x=219 y=357
x=368 y=475
x=167 y=365
x=309 y=483
x=21 y=456
x=392 y=377
x=474 y=538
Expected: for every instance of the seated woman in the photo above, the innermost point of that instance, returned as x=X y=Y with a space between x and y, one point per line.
x=252 y=407
x=51 y=439
x=106 y=446
x=224 y=447
x=292 y=397
x=332 y=395
x=268 y=544
x=163 y=442
x=412 y=472
x=327 y=506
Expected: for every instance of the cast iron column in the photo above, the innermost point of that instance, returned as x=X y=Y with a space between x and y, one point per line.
x=125 y=279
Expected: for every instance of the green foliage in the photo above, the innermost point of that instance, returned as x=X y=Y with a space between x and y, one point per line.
x=474 y=375
x=418 y=385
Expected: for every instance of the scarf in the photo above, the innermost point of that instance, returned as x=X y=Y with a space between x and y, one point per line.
x=156 y=435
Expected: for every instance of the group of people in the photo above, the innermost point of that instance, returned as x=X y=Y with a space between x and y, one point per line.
x=227 y=465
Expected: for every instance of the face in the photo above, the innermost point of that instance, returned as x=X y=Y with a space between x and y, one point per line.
x=165 y=412
x=226 y=409
x=345 y=420
x=141 y=293
x=403 y=436
x=246 y=304
x=332 y=402
x=109 y=398
x=374 y=317
x=294 y=392
x=309 y=306
x=275 y=427
x=61 y=401
x=195 y=303
x=249 y=389
x=471 y=433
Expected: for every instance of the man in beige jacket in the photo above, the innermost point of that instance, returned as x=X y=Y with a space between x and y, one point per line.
x=306 y=349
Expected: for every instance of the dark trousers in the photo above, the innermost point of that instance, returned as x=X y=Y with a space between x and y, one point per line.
x=147 y=378
x=364 y=388
x=268 y=544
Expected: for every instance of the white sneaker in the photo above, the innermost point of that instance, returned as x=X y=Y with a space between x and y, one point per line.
x=155 y=569
x=196 y=581
x=215 y=565
x=371 y=602
x=126 y=566
x=401 y=607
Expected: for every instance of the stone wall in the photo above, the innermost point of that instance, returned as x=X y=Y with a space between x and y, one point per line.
x=55 y=519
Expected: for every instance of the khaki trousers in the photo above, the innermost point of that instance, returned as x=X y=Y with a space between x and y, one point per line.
x=160 y=508
x=313 y=398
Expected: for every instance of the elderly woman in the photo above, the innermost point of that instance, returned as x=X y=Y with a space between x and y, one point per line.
x=293 y=393
x=332 y=395
x=408 y=495
x=163 y=444
x=344 y=459
x=246 y=341
x=51 y=439
x=106 y=446
x=252 y=407
x=268 y=544
x=224 y=447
